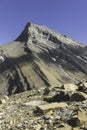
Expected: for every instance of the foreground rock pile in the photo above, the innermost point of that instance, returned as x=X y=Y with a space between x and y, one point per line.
x=52 y=108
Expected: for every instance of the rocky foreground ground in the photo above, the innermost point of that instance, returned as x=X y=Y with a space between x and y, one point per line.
x=52 y=108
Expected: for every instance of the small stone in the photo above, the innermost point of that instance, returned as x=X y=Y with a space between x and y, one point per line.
x=49 y=113
x=30 y=113
x=19 y=125
x=65 y=127
x=2 y=101
x=6 y=97
x=82 y=115
x=76 y=128
x=11 y=122
x=38 y=127
x=47 y=98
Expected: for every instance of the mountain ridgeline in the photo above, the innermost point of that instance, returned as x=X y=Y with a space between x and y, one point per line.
x=40 y=57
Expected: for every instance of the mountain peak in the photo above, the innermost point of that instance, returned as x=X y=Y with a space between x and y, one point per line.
x=29 y=30
x=23 y=37
x=33 y=32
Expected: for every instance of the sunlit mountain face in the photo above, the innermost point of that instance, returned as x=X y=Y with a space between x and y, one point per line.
x=40 y=57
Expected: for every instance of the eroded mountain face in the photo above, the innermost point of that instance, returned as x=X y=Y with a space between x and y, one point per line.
x=40 y=57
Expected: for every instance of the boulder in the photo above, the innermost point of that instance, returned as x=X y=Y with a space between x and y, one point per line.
x=50 y=106
x=78 y=120
x=61 y=96
x=78 y=96
x=70 y=87
x=34 y=103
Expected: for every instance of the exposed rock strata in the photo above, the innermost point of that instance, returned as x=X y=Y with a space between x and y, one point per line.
x=40 y=54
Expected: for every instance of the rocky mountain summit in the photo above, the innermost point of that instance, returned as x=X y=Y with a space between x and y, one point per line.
x=43 y=82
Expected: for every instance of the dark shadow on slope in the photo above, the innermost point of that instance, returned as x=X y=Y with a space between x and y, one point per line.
x=24 y=35
x=65 y=58
x=41 y=74
x=54 y=39
x=22 y=59
x=26 y=82
x=61 y=97
x=15 y=85
x=3 y=66
x=17 y=82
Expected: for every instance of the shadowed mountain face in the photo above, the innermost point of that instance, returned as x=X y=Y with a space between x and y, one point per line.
x=40 y=57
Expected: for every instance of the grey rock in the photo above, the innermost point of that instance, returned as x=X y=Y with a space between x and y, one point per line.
x=34 y=103
x=40 y=54
x=70 y=87
x=78 y=96
x=50 y=106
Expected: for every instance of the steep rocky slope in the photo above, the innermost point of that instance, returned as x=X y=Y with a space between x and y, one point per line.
x=40 y=57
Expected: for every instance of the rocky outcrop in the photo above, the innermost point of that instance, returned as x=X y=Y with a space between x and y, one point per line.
x=70 y=87
x=28 y=110
x=51 y=106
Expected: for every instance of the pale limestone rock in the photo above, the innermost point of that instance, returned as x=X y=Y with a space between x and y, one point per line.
x=85 y=84
x=82 y=116
x=70 y=87
x=34 y=103
x=2 y=101
x=76 y=128
x=50 y=106
x=38 y=127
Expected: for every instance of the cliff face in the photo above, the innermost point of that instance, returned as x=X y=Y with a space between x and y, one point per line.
x=40 y=57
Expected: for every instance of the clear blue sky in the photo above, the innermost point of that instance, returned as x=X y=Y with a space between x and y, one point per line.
x=68 y=17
